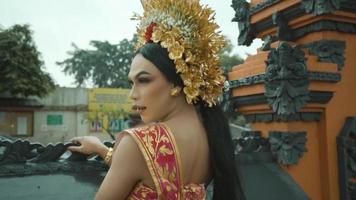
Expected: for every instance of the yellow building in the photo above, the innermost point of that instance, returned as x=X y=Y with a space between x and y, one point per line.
x=108 y=109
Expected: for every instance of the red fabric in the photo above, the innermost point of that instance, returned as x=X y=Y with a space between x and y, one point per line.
x=159 y=149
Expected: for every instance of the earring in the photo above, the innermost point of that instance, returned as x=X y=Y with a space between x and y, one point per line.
x=174 y=92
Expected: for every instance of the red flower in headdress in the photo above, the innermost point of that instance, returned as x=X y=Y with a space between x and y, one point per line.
x=149 y=31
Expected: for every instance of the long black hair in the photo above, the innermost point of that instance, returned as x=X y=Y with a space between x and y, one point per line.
x=226 y=182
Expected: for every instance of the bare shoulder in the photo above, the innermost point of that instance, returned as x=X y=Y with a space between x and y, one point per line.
x=127 y=151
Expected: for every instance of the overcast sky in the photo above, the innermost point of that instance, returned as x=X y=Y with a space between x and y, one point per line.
x=58 y=23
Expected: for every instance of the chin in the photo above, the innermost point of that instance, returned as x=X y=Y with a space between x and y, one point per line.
x=145 y=119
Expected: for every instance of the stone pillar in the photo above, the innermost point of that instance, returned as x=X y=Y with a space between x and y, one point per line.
x=300 y=88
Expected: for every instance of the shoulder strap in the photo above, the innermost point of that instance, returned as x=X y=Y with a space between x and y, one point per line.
x=160 y=152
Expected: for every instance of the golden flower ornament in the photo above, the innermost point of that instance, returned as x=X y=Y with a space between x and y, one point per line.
x=188 y=31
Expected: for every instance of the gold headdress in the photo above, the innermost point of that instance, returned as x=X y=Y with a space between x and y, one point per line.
x=190 y=35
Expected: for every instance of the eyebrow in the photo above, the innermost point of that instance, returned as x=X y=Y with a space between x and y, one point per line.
x=141 y=73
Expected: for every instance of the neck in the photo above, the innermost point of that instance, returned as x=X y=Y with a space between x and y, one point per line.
x=180 y=112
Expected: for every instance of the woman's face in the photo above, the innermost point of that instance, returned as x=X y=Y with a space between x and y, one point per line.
x=150 y=90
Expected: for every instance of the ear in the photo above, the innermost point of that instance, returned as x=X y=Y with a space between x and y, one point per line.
x=175 y=91
x=176 y=87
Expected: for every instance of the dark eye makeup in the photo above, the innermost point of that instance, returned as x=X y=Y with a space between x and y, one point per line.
x=140 y=80
x=143 y=80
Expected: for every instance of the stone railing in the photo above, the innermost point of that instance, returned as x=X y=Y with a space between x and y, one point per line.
x=33 y=171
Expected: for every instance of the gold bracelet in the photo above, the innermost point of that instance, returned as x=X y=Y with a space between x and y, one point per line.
x=108 y=156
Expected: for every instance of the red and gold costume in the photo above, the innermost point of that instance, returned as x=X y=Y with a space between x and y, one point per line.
x=159 y=149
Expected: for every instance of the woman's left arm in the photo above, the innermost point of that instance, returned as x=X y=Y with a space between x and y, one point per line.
x=127 y=168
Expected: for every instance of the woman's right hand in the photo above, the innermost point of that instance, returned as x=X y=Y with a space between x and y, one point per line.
x=88 y=145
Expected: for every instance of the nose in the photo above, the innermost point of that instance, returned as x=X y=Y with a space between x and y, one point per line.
x=133 y=93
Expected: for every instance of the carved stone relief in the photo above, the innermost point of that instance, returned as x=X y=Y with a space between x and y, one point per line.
x=286 y=79
x=288 y=147
x=346 y=149
x=320 y=7
x=242 y=17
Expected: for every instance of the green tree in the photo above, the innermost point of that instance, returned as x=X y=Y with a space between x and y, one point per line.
x=107 y=65
x=21 y=68
x=227 y=59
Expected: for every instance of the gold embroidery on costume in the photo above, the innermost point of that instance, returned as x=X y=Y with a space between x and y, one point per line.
x=159 y=150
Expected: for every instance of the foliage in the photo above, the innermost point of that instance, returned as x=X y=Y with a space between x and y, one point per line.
x=21 y=67
x=227 y=59
x=106 y=66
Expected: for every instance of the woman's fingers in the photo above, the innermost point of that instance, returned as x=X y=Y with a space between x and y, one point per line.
x=74 y=148
x=77 y=140
x=78 y=144
x=86 y=144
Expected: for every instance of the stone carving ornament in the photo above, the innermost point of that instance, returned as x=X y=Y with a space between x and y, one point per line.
x=330 y=51
x=320 y=7
x=346 y=149
x=21 y=157
x=286 y=80
x=288 y=147
x=242 y=16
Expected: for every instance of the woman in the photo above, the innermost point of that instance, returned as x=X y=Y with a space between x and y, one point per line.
x=186 y=141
